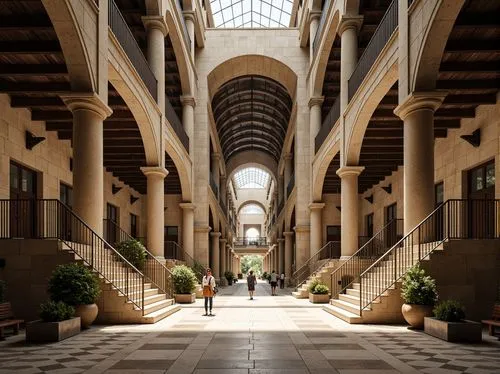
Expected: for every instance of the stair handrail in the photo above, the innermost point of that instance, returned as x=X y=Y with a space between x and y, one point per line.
x=349 y=271
x=312 y=265
x=198 y=269
x=450 y=220
x=40 y=226
x=155 y=271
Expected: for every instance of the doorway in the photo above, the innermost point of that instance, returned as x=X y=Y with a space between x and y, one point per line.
x=333 y=234
x=112 y=223
x=391 y=237
x=66 y=197
x=171 y=238
x=23 y=192
x=481 y=204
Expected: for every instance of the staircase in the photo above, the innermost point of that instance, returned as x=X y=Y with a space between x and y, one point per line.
x=320 y=265
x=128 y=294
x=367 y=290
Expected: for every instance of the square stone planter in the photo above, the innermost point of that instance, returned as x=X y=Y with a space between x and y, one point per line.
x=185 y=298
x=39 y=331
x=319 y=299
x=465 y=331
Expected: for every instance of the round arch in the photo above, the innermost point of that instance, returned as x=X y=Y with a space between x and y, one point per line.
x=252 y=202
x=260 y=159
x=76 y=56
x=182 y=169
x=319 y=174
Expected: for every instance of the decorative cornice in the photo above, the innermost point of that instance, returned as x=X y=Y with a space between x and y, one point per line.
x=155 y=22
x=346 y=171
x=188 y=100
x=187 y=206
x=314 y=206
x=87 y=101
x=159 y=171
x=431 y=100
x=315 y=100
x=349 y=22
x=314 y=14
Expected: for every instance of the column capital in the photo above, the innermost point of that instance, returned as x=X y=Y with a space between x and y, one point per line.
x=288 y=233
x=155 y=22
x=430 y=100
x=187 y=206
x=215 y=234
x=315 y=206
x=350 y=22
x=223 y=240
x=345 y=171
x=154 y=170
x=188 y=100
x=189 y=15
x=302 y=228
x=314 y=15
x=315 y=100
x=87 y=101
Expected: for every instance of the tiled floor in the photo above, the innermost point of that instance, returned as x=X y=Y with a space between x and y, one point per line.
x=266 y=335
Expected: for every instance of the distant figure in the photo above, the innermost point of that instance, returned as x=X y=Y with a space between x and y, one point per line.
x=282 y=280
x=251 y=280
x=274 y=282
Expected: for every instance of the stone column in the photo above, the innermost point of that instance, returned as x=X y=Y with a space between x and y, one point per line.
x=216 y=169
x=288 y=172
x=224 y=263
x=157 y=29
x=89 y=112
x=313 y=29
x=189 y=17
x=314 y=119
x=188 y=105
x=348 y=31
x=349 y=215
x=417 y=112
x=288 y=254
x=155 y=202
x=188 y=228
x=316 y=227
x=215 y=255
x=281 y=251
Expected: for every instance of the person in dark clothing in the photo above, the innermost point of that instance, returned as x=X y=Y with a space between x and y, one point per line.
x=251 y=280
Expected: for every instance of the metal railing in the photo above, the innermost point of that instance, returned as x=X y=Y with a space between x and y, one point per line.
x=454 y=219
x=317 y=37
x=328 y=123
x=183 y=21
x=251 y=242
x=176 y=124
x=175 y=252
x=153 y=269
x=329 y=251
x=122 y=32
x=51 y=219
x=378 y=41
x=370 y=251
x=214 y=186
x=291 y=185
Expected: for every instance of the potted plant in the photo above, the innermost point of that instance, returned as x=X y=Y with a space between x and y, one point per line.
x=419 y=293
x=319 y=294
x=184 y=284
x=449 y=324
x=133 y=251
x=57 y=323
x=229 y=275
x=76 y=285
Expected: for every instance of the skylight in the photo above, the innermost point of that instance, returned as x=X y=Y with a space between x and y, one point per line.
x=251 y=13
x=251 y=178
x=252 y=209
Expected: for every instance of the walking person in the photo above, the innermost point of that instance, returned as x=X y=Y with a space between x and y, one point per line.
x=251 y=280
x=274 y=282
x=208 y=284
x=282 y=280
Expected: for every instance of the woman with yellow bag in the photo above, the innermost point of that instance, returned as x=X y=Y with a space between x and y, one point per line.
x=209 y=291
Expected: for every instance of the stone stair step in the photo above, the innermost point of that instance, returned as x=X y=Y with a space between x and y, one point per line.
x=151 y=299
x=350 y=299
x=159 y=314
x=345 y=305
x=153 y=307
x=342 y=314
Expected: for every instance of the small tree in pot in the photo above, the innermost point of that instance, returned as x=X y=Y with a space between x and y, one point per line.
x=229 y=275
x=419 y=294
x=76 y=285
x=133 y=251
x=184 y=284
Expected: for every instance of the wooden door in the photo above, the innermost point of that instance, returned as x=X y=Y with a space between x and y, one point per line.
x=481 y=206
x=23 y=193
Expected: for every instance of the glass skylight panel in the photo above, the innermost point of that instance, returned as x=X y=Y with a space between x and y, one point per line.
x=251 y=178
x=256 y=13
x=252 y=209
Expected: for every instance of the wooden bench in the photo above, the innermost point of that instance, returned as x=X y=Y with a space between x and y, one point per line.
x=7 y=320
x=494 y=321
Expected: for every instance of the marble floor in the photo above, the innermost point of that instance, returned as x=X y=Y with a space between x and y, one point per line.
x=267 y=335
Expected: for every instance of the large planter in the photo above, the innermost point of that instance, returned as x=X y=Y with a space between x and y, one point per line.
x=39 y=331
x=319 y=299
x=185 y=298
x=414 y=314
x=229 y=282
x=464 y=331
x=87 y=313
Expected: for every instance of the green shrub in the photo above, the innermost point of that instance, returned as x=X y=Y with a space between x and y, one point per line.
x=418 y=288
x=321 y=289
x=184 y=280
x=3 y=291
x=229 y=275
x=264 y=275
x=449 y=311
x=52 y=311
x=74 y=284
x=313 y=285
x=133 y=251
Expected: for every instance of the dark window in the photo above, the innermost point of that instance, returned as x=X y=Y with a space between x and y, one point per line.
x=391 y=212
x=439 y=193
x=369 y=225
x=133 y=225
x=66 y=194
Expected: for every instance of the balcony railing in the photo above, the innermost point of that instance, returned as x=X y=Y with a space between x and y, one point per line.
x=317 y=37
x=328 y=123
x=378 y=41
x=214 y=186
x=184 y=27
x=280 y=206
x=122 y=32
x=223 y=205
x=291 y=185
x=176 y=124
x=251 y=242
